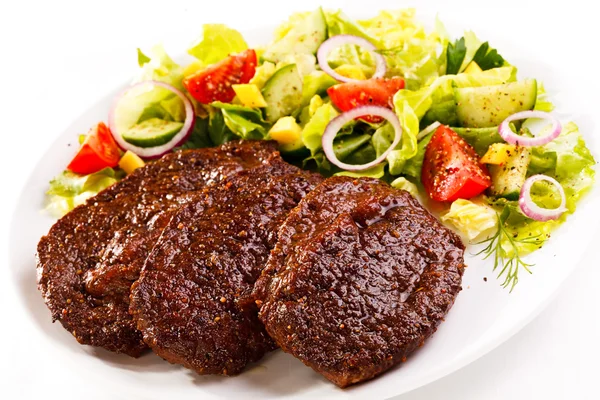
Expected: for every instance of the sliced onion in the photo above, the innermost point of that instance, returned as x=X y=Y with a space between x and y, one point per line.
x=338 y=122
x=534 y=211
x=511 y=137
x=428 y=130
x=157 y=151
x=340 y=40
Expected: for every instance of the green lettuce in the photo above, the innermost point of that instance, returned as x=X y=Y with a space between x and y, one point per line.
x=339 y=24
x=199 y=138
x=407 y=148
x=473 y=218
x=217 y=42
x=542 y=102
x=263 y=73
x=413 y=166
x=159 y=67
x=377 y=172
x=407 y=47
x=245 y=122
x=146 y=101
x=294 y=20
x=313 y=130
x=569 y=161
x=218 y=132
x=68 y=189
x=404 y=184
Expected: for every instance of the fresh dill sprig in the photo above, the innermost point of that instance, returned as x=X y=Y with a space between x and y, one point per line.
x=508 y=261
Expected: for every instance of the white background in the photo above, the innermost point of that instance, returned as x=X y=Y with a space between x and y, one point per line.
x=57 y=58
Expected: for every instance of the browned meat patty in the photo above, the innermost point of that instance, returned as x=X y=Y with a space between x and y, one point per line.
x=89 y=259
x=210 y=254
x=360 y=277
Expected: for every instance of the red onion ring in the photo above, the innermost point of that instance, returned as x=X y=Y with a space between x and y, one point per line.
x=336 y=41
x=338 y=122
x=157 y=151
x=428 y=130
x=511 y=137
x=534 y=211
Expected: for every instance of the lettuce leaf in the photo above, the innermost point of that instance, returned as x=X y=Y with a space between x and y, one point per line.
x=294 y=20
x=200 y=137
x=245 y=122
x=263 y=73
x=339 y=24
x=473 y=218
x=407 y=47
x=217 y=42
x=569 y=161
x=218 y=132
x=377 y=172
x=404 y=184
x=159 y=67
x=542 y=103
x=407 y=148
x=414 y=165
x=313 y=130
x=68 y=189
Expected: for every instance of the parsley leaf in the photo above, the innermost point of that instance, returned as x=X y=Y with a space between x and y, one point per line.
x=455 y=56
x=488 y=58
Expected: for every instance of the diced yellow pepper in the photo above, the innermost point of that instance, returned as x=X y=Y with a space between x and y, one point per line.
x=130 y=162
x=314 y=104
x=473 y=68
x=286 y=130
x=498 y=154
x=351 y=71
x=249 y=95
x=193 y=68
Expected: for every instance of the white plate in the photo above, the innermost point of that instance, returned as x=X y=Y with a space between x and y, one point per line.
x=483 y=317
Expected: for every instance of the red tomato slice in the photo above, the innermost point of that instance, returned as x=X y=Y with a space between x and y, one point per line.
x=374 y=92
x=451 y=168
x=97 y=152
x=214 y=82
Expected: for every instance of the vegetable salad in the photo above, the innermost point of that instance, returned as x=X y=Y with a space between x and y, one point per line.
x=447 y=119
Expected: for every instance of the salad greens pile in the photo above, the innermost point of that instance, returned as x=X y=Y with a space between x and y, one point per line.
x=435 y=70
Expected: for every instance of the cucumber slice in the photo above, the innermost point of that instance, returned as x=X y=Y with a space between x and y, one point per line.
x=304 y=38
x=283 y=93
x=152 y=132
x=508 y=179
x=488 y=106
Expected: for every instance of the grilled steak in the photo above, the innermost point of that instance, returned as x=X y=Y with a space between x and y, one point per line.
x=209 y=255
x=89 y=259
x=361 y=276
